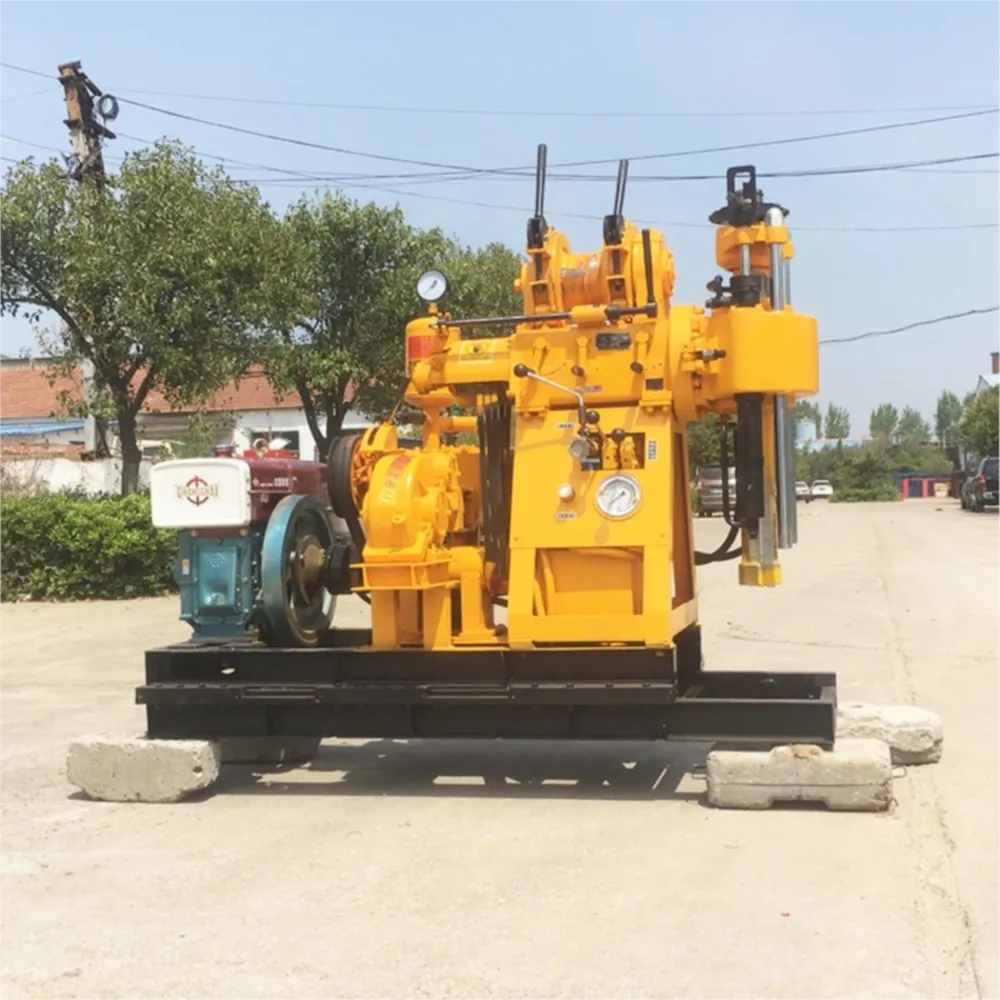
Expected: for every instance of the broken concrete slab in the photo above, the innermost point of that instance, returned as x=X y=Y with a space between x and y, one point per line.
x=267 y=750
x=914 y=735
x=856 y=775
x=137 y=769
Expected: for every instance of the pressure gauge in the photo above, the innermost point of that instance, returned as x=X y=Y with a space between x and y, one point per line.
x=618 y=497
x=431 y=286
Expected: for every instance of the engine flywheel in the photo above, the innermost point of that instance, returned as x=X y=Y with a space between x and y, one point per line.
x=297 y=605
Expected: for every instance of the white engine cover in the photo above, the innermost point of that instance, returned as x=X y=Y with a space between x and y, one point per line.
x=201 y=493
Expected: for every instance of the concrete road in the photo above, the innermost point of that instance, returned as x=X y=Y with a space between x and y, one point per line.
x=392 y=870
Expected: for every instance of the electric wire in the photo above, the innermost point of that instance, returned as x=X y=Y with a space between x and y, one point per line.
x=526 y=112
x=909 y=326
x=24 y=97
x=528 y=171
x=525 y=171
x=304 y=175
x=678 y=178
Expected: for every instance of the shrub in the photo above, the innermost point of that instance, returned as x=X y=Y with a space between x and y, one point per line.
x=877 y=493
x=68 y=546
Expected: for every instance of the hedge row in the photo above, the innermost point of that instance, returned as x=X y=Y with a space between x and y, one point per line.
x=880 y=492
x=71 y=547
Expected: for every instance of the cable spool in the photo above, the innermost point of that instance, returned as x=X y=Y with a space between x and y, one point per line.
x=107 y=107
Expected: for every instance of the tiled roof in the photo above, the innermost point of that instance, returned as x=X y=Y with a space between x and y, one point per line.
x=25 y=393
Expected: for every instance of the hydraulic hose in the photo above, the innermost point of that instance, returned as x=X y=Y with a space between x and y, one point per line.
x=723 y=553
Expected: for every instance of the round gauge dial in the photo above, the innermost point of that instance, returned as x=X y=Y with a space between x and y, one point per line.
x=618 y=496
x=431 y=286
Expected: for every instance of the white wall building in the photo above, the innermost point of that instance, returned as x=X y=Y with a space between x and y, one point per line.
x=34 y=428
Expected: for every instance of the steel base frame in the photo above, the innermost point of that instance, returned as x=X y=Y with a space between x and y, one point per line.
x=209 y=691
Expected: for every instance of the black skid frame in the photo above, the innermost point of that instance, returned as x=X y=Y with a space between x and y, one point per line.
x=208 y=691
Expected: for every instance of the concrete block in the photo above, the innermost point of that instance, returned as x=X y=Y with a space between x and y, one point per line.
x=855 y=775
x=914 y=735
x=267 y=750
x=137 y=769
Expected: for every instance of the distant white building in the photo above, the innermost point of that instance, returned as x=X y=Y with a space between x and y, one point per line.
x=807 y=440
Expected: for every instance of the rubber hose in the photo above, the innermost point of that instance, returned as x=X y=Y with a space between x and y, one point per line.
x=723 y=552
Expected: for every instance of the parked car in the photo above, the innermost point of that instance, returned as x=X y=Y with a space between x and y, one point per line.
x=802 y=492
x=981 y=489
x=821 y=489
x=709 y=487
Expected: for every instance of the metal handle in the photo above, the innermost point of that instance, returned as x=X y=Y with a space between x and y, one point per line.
x=523 y=371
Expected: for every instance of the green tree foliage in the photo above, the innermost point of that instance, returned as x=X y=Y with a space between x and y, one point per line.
x=341 y=297
x=884 y=420
x=947 y=417
x=703 y=442
x=481 y=282
x=912 y=428
x=838 y=423
x=155 y=277
x=805 y=410
x=980 y=422
x=871 y=466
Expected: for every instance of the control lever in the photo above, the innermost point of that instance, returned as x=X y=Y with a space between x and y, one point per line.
x=523 y=371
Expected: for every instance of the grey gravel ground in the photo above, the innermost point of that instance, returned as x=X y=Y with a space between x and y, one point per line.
x=388 y=869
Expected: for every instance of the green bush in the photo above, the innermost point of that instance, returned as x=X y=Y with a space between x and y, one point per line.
x=877 y=493
x=72 y=547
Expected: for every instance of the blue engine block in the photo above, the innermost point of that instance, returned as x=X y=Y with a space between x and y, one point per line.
x=219 y=580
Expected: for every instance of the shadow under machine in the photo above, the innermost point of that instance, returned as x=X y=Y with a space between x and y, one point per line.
x=571 y=511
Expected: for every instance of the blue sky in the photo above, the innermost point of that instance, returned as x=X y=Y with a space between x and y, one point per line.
x=689 y=58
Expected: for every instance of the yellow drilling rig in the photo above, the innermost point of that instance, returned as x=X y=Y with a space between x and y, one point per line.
x=542 y=581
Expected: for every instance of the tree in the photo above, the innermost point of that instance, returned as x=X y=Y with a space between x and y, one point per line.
x=980 y=422
x=912 y=428
x=703 y=442
x=804 y=410
x=947 y=417
x=883 y=422
x=481 y=282
x=343 y=294
x=838 y=423
x=155 y=277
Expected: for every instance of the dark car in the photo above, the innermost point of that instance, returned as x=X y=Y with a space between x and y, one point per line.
x=709 y=486
x=981 y=489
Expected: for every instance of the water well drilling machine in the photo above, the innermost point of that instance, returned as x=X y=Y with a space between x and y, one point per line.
x=572 y=514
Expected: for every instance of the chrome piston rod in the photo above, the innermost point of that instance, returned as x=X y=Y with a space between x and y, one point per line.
x=784 y=432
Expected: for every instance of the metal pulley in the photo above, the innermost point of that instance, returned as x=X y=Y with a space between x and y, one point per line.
x=298 y=606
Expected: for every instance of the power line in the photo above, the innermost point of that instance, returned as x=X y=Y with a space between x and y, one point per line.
x=32 y=72
x=515 y=171
x=664 y=178
x=532 y=113
x=520 y=171
x=503 y=113
x=868 y=129
x=309 y=144
x=910 y=326
x=301 y=176
x=24 y=97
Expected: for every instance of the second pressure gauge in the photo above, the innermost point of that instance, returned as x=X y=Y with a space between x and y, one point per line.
x=618 y=497
x=431 y=286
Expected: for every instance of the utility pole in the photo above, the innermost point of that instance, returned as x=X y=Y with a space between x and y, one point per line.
x=86 y=135
x=85 y=132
